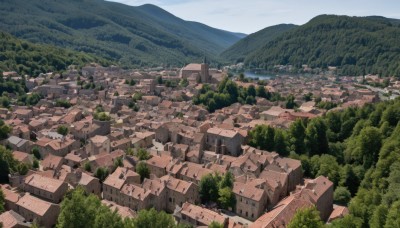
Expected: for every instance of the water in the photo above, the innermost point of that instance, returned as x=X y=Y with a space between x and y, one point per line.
x=258 y=74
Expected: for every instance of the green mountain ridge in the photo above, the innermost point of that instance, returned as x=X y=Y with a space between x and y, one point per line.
x=132 y=36
x=357 y=45
x=27 y=58
x=253 y=42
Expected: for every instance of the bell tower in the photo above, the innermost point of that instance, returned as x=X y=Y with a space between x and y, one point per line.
x=205 y=77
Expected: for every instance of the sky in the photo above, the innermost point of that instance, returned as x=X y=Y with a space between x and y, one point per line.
x=249 y=16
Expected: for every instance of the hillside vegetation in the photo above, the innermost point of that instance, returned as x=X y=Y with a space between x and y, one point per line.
x=134 y=36
x=255 y=41
x=355 y=44
x=32 y=59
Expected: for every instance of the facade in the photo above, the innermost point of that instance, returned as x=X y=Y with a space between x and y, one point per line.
x=47 y=188
x=223 y=141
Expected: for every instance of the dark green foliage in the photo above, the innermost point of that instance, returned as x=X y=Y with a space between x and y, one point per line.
x=36 y=153
x=270 y=139
x=251 y=43
x=341 y=195
x=101 y=173
x=35 y=163
x=216 y=188
x=62 y=130
x=4 y=130
x=143 y=154
x=102 y=116
x=316 y=140
x=133 y=36
x=10 y=165
x=215 y=224
x=143 y=170
x=87 y=167
x=306 y=217
x=63 y=103
x=357 y=45
x=290 y=103
x=151 y=218
x=227 y=93
x=32 y=59
x=2 y=209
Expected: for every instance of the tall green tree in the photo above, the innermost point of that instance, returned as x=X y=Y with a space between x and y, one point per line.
x=297 y=135
x=316 y=140
x=306 y=217
x=143 y=170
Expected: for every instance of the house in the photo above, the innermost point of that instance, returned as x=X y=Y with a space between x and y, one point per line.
x=23 y=114
x=43 y=212
x=124 y=212
x=11 y=219
x=98 y=144
x=251 y=202
x=52 y=162
x=223 y=141
x=19 y=144
x=105 y=160
x=198 y=216
x=23 y=157
x=179 y=192
x=113 y=184
x=158 y=165
x=122 y=144
x=47 y=188
x=198 y=71
x=192 y=172
x=10 y=197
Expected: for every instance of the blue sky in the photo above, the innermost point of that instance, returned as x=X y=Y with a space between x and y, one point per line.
x=249 y=16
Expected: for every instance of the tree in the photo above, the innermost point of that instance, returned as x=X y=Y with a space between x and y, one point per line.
x=251 y=91
x=393 y=218
x=151 y=218
x=102 y=116
x=316 y=140
x=116 y=94
x=215 y=224
x=297 y=135
x=159 y=80
x=36 y=153
x=226 y=198
x=2 y=202
x=35 y=163
x=227 y=180
x=101 y=173
x=370 y=141
x=143 y=154
x=118 y=162
x=341 y=195
x=4 y=130
x=261 y=92
x=307 y=218
x=290 y=103
x=87 y=167
x=81 y=210
x=378 y=219
x=208 y=188
x=7 y=164
x=280 y=145
x=62 y=130
x=143 y=171
x=78 y=210
x=184 y=82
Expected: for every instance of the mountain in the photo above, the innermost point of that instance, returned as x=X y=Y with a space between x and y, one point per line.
x=32 y=59
x=253 y=42
x=357 y=45
x=144 y=35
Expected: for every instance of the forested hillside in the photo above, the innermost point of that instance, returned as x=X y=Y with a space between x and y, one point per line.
x=32 y=59
x=253 y=42
x=358 y=149
x=133 y=36
x=355 y=44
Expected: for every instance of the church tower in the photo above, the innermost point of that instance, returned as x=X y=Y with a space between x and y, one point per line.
x=205 y=77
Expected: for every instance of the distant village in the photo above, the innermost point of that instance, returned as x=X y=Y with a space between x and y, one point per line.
x=130 y=110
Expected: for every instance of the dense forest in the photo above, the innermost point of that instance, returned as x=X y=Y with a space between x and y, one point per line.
x=253 y=42
x=131 y=36
x=32 y=59
x=358 y=149
x=357 y=45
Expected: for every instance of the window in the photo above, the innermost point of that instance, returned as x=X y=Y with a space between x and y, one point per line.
x=252 y=215
x=170 y=199
x=247 y=213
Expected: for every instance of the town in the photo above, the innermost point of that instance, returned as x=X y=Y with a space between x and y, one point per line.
x=137 y=140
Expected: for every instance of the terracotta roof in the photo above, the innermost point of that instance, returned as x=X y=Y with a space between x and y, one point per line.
x=248 y=191
x=118 y=178
x=52 y=161
x=44 y=183
x=35 y=205
x=20 y=156
x=176 y=184
x=193 y=67
x=203 y=215
x=12 y=219
x=159 y=161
